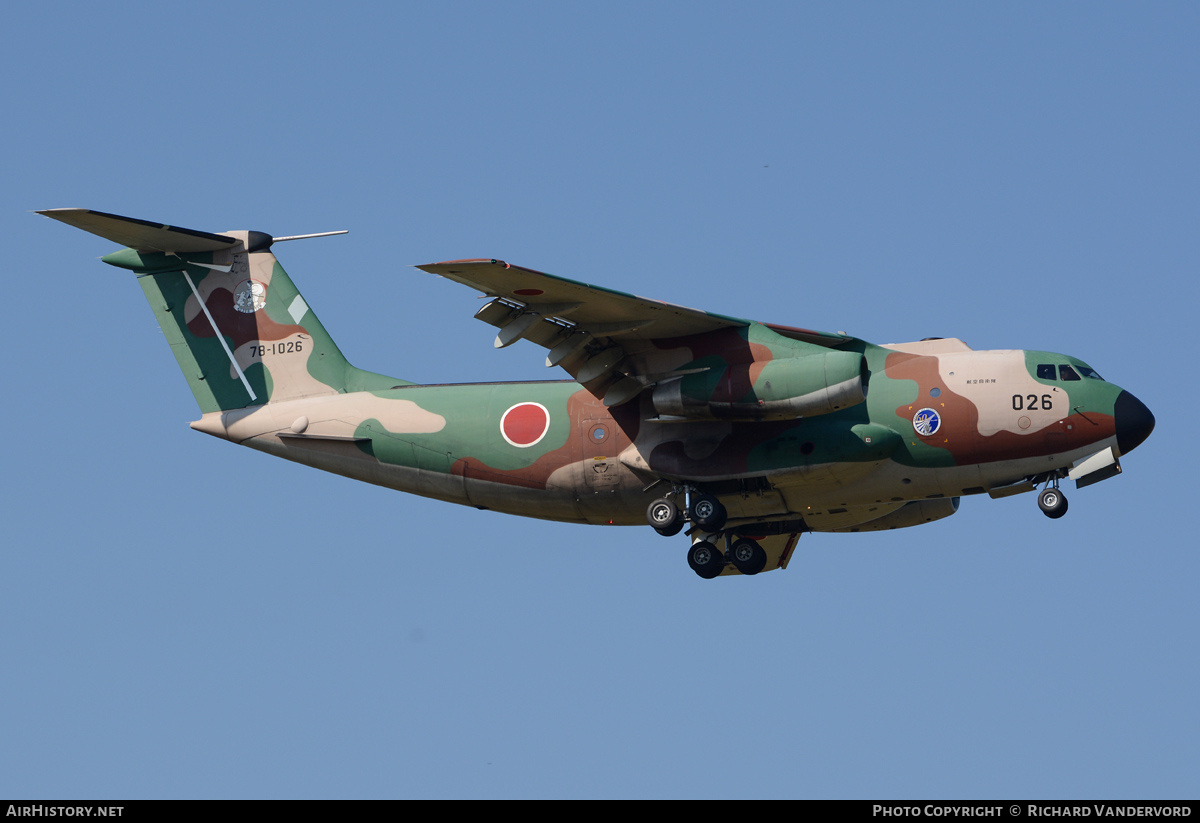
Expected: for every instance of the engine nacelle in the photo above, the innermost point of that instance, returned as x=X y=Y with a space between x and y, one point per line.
x=782 y=389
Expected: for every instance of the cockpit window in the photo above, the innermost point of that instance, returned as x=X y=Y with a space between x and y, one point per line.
x=1067 y=373
x=1090 y=373
x=1045 y=371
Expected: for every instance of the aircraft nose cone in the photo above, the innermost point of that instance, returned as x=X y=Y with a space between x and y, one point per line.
x=1134 y=422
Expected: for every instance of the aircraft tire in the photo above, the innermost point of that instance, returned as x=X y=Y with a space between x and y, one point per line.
x=707 y=512
x=664 y=516
x=671 y=531
x=706 y=559
x=1053 y=503
x=748 y=556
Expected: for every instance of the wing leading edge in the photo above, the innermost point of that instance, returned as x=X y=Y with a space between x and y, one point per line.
x=613 y=342
x=601 y=337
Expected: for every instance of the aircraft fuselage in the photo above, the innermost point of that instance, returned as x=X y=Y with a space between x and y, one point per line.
x=552 y=450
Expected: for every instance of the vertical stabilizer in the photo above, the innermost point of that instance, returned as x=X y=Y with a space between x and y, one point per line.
x=240 y=330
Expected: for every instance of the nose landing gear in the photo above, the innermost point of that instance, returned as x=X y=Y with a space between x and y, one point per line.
x=1051 y=501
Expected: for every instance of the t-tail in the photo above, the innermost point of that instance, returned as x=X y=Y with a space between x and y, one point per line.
x=239 y=328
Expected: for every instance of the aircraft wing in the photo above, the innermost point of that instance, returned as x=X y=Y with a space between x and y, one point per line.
x=602 y=337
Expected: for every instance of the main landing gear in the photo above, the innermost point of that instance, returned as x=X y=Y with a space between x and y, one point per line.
x=1051 y=501
x=708 y=561
x=705 y=512
x=707 y=516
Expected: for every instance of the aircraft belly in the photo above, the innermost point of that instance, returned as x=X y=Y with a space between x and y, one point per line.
x=551 y=503
x=844 y=518
x=349 y=459
x=756 y=505
x=894 y=482
x=888 y=483
x=429 y=474
x=616 y=500
x=598 y=489
x=826 y=475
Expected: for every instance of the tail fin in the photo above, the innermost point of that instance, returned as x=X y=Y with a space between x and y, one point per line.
x=240 y=330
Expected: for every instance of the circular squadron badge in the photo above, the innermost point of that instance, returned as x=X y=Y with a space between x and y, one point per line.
x=250 y=296
x=926 y=422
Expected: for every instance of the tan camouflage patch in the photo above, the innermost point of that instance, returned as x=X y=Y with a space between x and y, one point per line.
x=991 y=380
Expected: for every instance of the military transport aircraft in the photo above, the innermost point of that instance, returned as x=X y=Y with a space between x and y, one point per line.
x=743 y=433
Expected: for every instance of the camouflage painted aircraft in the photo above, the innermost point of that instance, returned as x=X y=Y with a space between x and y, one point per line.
x=746 y=434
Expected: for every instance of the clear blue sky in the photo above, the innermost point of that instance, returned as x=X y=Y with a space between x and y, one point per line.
x=183 y=618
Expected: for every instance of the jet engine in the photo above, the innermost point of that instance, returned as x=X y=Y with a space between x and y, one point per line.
x=783 y=389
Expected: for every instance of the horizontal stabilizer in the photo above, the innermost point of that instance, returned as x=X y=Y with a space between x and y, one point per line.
x=141 y=235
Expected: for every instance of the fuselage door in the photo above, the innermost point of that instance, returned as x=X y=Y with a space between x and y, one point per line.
x=600 y=464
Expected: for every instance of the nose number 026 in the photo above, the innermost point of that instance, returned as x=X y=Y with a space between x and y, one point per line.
x=1031 y=402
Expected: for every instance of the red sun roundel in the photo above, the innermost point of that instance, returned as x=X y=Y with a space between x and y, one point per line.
x=525 y=424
